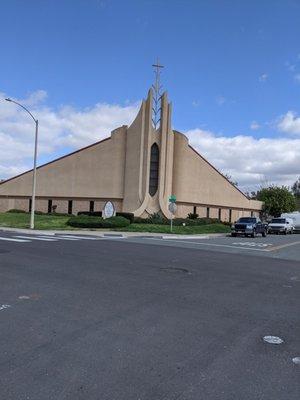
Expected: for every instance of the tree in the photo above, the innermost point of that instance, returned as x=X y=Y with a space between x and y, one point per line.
x=296 y=188
x=277 y=200
x=230 y=179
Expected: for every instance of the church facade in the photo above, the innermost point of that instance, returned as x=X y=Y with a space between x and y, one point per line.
x=137 y=168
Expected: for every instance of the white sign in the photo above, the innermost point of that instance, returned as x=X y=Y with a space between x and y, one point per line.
x=172 y=208
x=108 y=210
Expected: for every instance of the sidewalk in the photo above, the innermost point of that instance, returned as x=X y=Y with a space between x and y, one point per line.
x=106 y=233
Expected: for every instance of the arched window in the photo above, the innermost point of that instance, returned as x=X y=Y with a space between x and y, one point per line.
x=154 y=165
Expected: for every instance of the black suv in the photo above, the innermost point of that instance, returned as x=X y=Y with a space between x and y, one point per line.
x=249 y=226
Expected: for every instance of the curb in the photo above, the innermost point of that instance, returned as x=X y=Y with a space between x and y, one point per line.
x=185 y=237
x=103 y=234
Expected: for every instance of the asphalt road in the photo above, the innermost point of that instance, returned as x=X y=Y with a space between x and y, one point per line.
x=117 y=319
x=274 y=246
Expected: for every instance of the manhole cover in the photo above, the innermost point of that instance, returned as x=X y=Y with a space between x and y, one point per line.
x=176 y=270
x=273 y=339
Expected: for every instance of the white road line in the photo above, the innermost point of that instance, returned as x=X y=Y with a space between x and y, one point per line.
x=14 y=240
x=36 y=238
x=57 y=238
x=216 y=245
x=4 y=306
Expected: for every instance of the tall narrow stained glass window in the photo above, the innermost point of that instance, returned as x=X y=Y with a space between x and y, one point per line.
x=154 y=167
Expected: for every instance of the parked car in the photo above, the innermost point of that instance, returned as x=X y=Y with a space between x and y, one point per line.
x=295 y=216
x=249 y=226
x=281 y=225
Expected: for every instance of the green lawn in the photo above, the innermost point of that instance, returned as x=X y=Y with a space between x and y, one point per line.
x=22 y=220
x=179 y=230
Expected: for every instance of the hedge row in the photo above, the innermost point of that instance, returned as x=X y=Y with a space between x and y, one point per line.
x=86 y=221
x=129 y=216
x=176 y=221
x=17 y=211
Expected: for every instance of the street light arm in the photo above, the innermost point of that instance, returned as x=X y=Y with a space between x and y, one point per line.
x=32 y=211
x=24 y=108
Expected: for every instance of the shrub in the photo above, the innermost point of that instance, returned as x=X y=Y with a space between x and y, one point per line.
x=227 y=223
x=129 y=216
x=90 y=213
x=193 y=215
x=16 y=211
x=85 y=221
x=55 y=214
x=157 y=218
x=140 y=220
x=116 y=222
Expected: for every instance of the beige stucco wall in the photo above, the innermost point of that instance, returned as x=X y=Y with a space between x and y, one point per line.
x=196 y=181
x=97 y=171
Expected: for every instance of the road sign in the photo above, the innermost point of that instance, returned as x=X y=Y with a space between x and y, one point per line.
x=172 y=198
x=172 y=208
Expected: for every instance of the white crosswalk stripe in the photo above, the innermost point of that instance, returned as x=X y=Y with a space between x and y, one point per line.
x=8 y=239
x=36 y=238
x=57 y=237
x=53 y=238
x=78 y=237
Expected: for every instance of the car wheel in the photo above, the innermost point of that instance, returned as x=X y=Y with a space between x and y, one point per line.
x=233 y=234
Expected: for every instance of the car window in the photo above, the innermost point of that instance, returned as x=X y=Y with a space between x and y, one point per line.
x=247 y=220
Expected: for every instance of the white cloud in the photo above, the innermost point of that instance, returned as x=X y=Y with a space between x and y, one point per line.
x=58 y=129
x=195 y=103
x=263 y=77
x=289 y=123
x=297 y=78
x=254 y=125
x=249 y=160
x=220 y=100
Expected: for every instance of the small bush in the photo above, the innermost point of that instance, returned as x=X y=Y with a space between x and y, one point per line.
x=85 y=221
x=129 y=216
x=227 y=223
x=158 y=219
x=16 y=211
x=96 y=214
x=90 y=213
x=193 y=215
x=140 y=220
x=55 y=214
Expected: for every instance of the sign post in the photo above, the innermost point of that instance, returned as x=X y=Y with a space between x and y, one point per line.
x=172 y=208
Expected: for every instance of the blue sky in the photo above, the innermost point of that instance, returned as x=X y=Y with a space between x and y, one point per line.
x=231 y=67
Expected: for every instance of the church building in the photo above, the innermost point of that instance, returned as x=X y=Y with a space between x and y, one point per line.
x=137 y=168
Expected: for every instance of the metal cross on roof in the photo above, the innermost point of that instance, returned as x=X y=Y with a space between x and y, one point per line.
x=157 y=94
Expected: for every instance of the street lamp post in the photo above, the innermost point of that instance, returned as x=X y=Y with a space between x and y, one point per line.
x=34 y=162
